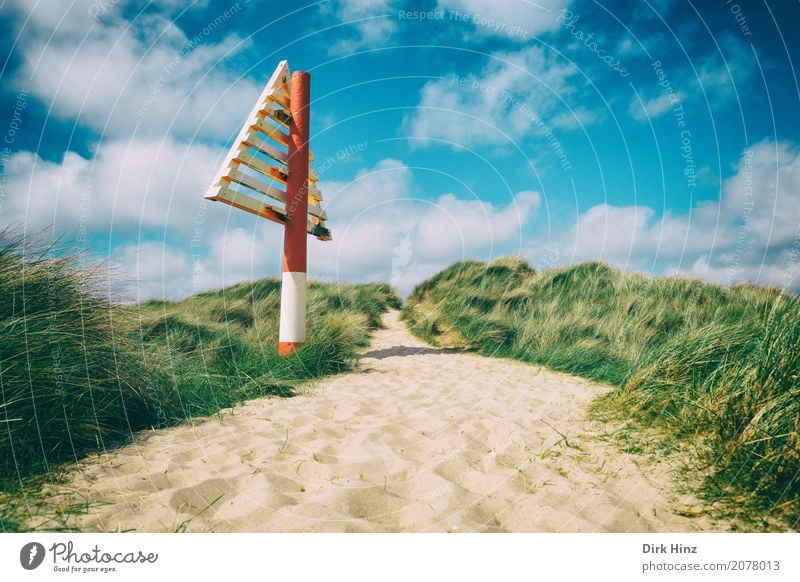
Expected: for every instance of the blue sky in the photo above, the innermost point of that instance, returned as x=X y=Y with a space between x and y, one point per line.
x=658 y=136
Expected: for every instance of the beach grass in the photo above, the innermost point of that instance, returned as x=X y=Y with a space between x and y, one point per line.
x=80 y=372
x=698 y=361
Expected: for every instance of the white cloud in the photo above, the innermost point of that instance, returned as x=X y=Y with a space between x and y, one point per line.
x=504 y=101
x=127 y=185
x=48 y=16
x=144 y=76
x=577 y=118
x=768 y=181
x=718 y=78
x=724 y=74
x=382 y=232
x=369 y=23
x=239 y=254
x=751 y=234
x=389 y=180
x=155 y=269
x=453 y=226
x=642 y=110
x=372 y=23
x=517 y=20
x=625 y=46
x=148 y=270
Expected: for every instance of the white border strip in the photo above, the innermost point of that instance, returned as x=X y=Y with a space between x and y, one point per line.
x=404 y=557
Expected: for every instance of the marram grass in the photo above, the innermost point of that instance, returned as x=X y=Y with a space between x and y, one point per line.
x=80 y=373
x=695 y=360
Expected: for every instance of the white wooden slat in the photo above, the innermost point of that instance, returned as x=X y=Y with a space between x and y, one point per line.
x=245 y=202
x=252 y=139
x=251 y=161
x=277 y=115
x=258 y=185
x=271 y=131
x=313 y=191
x=258 y=133
x=280 y=78
x=281 y=98
x=261 y=187
x=316 y=210
x=250 y=204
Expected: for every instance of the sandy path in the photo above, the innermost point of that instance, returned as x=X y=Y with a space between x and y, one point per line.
x=414 y=439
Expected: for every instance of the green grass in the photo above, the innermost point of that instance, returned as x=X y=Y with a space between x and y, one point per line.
x=219 y=348
x=693 y=359
x=80 y=373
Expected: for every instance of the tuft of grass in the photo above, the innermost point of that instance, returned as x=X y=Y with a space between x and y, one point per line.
x=218 y=348
x=695 y=360
x=69 y=381
x=80 y=373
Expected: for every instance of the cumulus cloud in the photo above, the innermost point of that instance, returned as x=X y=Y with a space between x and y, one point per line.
x=142 y=76
x=517 y=20
x=383 y=232
x=508 y=99
x=453 y=226
x=651 y=108
x=128 y=184
x=148 y=269
x=752 y=233
x=368 y=23
x=131 y=192
x=576 y=118
x=725 y=72
x=371 y=23
x=218 y=257
x=716 y=78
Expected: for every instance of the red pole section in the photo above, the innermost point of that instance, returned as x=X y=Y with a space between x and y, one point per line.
x=295 y=243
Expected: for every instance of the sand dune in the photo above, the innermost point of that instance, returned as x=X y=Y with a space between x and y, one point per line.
x=414 y=439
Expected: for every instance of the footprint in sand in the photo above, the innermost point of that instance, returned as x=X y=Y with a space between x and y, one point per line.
x=413 y=439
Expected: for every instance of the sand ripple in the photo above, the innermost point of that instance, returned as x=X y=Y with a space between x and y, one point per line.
x=415 y=439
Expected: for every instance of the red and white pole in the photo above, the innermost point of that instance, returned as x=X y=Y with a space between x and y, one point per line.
x=295 y=242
